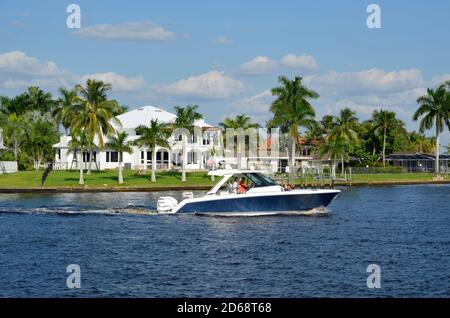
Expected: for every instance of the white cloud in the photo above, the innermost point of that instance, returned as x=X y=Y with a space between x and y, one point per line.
x=18 y=70
x=439 y=79
x=144 y=31
x=119 y=82
x=223 y=40
x=17 y=62
x=17 y=24
x=366 y=81
x=210 y=85
x=304 y=61
x=258 y=65
x=256 y=106
x=402 y=102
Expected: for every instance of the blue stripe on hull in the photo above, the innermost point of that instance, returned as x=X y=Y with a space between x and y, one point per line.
x=294 y=202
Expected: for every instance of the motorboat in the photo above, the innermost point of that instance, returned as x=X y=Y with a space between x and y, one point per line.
x=262 y=196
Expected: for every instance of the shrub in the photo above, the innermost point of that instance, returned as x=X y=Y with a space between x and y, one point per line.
x=25 y=163
x=7 y=156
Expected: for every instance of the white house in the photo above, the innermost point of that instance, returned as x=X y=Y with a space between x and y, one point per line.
x=199 y=146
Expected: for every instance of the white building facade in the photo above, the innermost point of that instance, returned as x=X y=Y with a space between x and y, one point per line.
x=199 y=147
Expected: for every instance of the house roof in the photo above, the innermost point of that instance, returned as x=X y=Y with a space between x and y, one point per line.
x=415 y=156
x=143 y=116
x=137 y=117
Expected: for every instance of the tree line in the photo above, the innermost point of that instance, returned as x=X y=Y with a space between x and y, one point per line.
x=339 y=137
x=31 y=122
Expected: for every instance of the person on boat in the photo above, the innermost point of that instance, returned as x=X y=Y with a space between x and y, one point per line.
x=233 y=186
x=242 y=188
x=286 y=186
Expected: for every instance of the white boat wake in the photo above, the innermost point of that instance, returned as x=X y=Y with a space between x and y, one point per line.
x=70 y=210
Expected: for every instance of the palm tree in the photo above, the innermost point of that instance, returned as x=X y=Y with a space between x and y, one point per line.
x=186 y=116
x=383 y=121
x=291 y=110
x=154 y=135
x=334 y=148
x=40 y=135
x=37 y=99
x=435 y=111
x=78 y=141
x=243 y=122
x=63 y=111
x=16 y=105
x=344 y=130
x=327 y=123
x=14 y=132
x=240 y=121
x=120 y=144
x=95 y=113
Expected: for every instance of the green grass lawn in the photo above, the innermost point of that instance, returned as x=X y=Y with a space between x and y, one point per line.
x=381 y=177
x=394 y=177
x=32 y=179
x=106 y=179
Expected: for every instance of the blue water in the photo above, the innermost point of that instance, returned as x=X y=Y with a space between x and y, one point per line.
x=403 y=229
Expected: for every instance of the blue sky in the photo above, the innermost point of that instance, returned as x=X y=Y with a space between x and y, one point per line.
x=225 y=56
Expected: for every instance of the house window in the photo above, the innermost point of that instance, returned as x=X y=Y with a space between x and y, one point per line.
x=112 y=156
x=149 y=157
x=86 y=156
x=192 y=157
x=58 y=154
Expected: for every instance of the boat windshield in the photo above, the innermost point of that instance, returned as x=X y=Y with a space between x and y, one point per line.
x=260 y=180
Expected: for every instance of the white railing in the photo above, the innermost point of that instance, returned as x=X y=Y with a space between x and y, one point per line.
x=59 y=165
x=8 y=166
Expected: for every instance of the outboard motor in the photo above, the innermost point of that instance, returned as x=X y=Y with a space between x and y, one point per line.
x=166 y=204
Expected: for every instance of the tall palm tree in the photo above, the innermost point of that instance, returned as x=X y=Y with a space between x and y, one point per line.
x=95 y=91
x=334 y=148
x=186 y=116
x=240 y=121
x=78 y=141
x=344 y=130
x=383 y=121
x=243 y=122
x=156 y=134
x=95 y=113
x=327 y=124
x=434 y=108
x=292 y=110
x=63 y=110
x=120 y=144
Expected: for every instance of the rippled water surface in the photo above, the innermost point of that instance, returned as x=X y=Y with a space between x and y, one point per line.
x=404 y=229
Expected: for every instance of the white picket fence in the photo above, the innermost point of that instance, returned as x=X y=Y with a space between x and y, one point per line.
x=8 y=166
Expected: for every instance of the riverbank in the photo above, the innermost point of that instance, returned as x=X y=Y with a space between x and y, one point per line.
x=106 y=181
